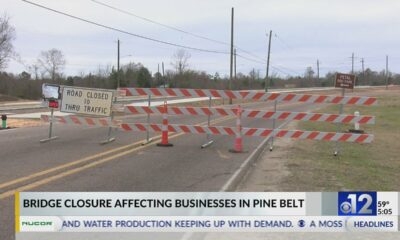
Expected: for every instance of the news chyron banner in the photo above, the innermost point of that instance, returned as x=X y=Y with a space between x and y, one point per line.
x=163 y=212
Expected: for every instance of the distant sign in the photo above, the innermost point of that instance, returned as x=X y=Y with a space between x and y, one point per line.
x=345 y=80
x=53 y=104
x=50 y=91
x=88 y=101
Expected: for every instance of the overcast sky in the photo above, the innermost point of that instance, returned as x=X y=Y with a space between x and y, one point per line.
x=303 y=31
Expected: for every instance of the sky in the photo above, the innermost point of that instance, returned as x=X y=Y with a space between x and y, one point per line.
x=303 y=32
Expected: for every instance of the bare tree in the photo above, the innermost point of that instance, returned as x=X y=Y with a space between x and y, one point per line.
x=7 y=35
x=180 y=60
x=52 y=62
x=34 y=69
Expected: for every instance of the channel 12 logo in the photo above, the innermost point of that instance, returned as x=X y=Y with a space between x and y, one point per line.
x=357 y=203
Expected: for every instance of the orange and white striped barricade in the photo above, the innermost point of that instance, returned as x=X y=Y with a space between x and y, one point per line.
x=251 y=132
x=248 y=113
x=251 y=95
x=182 y=92
x=164 y=128
x=82 y=121
x=309 y=98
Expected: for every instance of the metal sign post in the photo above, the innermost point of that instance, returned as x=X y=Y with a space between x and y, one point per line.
x=209 y=142
x=343 y=81
x=109 y=138
x=339 y=125
x=271 y=143
x=51 y=94
x=51 y=137
x=148 y=139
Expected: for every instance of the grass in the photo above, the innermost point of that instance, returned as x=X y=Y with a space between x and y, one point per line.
x=372 y=167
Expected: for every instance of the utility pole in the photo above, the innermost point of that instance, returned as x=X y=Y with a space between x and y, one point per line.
x=352 y=63
x=231 y=63
x=234 y=61
x=362 y=68
x=164 y=80
x=253 y=78
x=118 y=77
x=269 y=52
x=387 y=71
x=158 y=73
x=317 y=69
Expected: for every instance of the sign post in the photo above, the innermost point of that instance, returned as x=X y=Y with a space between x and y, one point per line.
x=51 y=94
x=343 y=81
x=209 y=141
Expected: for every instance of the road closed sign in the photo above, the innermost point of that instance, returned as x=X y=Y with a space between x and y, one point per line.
x=345 y=80
x=87 y=101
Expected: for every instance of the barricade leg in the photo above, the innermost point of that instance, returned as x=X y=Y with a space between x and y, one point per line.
x=164 y=135
x=109 y=138
x=356 y=125
x=208 y=142
x=271 y=143
x=148 y=139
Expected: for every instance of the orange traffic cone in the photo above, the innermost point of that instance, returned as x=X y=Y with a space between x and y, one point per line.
x=238 y=146
x=164 y=135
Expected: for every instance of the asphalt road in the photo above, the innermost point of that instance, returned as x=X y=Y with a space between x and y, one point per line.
x=77 y=162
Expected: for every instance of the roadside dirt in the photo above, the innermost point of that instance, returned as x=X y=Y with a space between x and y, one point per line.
x=270 y=172
x=18 y=123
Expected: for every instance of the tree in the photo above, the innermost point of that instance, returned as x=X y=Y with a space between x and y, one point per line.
x=309 y=73
x=144 y=77
x=34 y=69
x=7 y=35
x=25 y=76
x=52 y=62
x=180 y=61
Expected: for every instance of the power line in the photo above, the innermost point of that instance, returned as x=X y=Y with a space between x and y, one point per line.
x=158 y=23
x=174 y=28
x=153 y=39
x=290 y=70
x=280 y=68
x=123 y=31
x=251 y=59
x=283 y=42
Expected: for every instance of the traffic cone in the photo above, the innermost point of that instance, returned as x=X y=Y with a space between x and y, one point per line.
x=164 y=135
x=238 y=146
